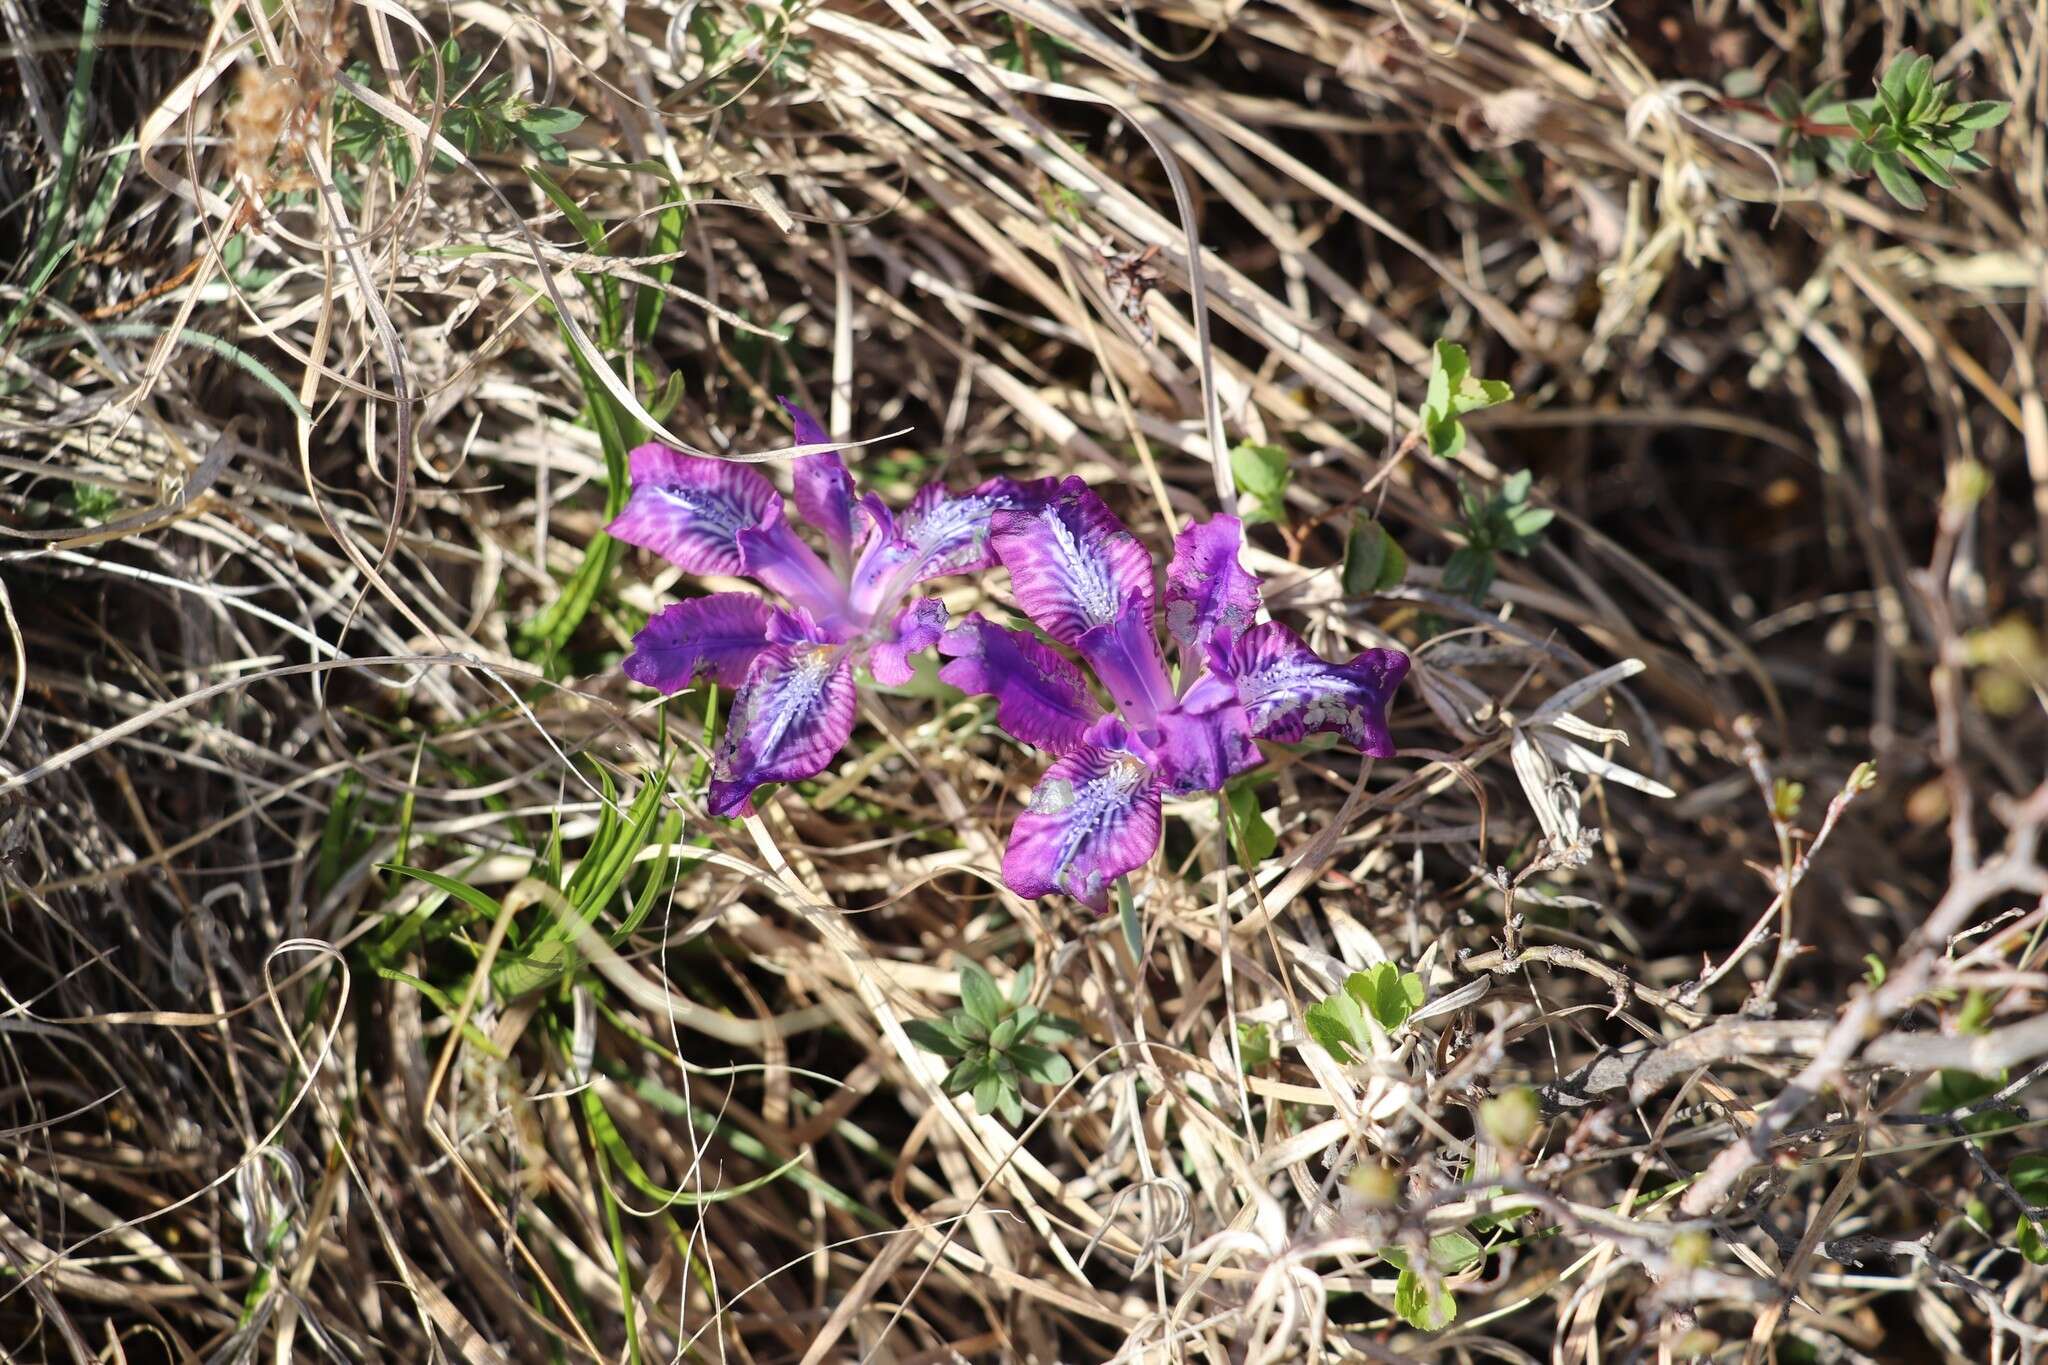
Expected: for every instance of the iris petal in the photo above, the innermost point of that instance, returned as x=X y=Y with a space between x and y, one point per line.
x=821 y=485
x=718 y=635
x=691 y=510
x=1209 y=595
x=1073 y=566
x=771 y=555
x=1093 y=817
x=940 y=533
x=916 y=628
x=1289 y=692
x=1041 y=697
x=1205 y=740
x=789 y=720
x=1125 y=656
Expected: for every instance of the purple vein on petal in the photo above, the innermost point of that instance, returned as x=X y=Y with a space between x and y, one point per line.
x=1289 y=692
x=939 y=533
x=1073 y=566
x=1209 y=594
x=772 y=555
x=789 y=720
x=691 y=510
x=1093 y=817
x=717 y=635
x=821 y=485
x=916 y=628
x=1206 y=739
x=1042 y=699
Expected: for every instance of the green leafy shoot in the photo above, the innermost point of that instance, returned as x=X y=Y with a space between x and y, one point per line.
x=758 y=45
x=479 y=116
x=1028 y=50
x=1382 y=993
x=1912 y=129
x=1505 y=522
x=1420 y=1297
x=995 y=1043
x=1254 y=1045
x=2028 y=1176
x=1453 y=392
x=91 y=501
x=1261 y=474
x=1373 y=560
x=1253 y=838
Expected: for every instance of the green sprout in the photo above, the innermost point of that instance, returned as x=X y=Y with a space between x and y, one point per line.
x=995 y=1043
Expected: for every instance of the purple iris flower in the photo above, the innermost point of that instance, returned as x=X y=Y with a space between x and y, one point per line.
x=1086 y=582
x=793 y=664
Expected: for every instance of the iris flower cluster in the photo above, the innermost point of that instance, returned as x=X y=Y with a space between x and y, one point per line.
x=1084 y=580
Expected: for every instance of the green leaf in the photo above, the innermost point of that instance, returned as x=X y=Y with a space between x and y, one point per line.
x=1742 y=83
x=604 y=1134
x=1020 y=987
x=1982 y=114
x=1261 y=474
x=988 y=1091
x=1254 y=838
x=1468 y=572
x=935 y=1036
x=1419 y=1308
x=1254 y=1045
x=1897 y=181
x=1446 y=437
x=1338 y=1024
x=1373 y=560
x=966 y=1075
x=1526 y=522
x=1929 y=167
x=2028 y=1175
x=979 y=996
x=1975 y=1015
x=1895 y=89
x=1005 y=1034
x=1783 y=100
x=1449 y=1252
x=1389 y=994
x=1042 y=1064
x=2028 y=1239
x=549 y=120
x=1451 y=368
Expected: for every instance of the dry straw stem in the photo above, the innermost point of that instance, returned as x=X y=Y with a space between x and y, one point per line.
x=301 y=437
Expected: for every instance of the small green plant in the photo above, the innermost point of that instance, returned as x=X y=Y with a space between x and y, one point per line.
x=1374 y=561
x=1382 y=991
x=484 y=117
x=2028 y=1176
x=1504 y=522
x=1420 y=1296
x=1254 y=838
x=1254 y=1045
x=1029 y=50
x=1786 y=798
x=1453 y=392
x=1262 y=475
x=1910 y=130
x=995 y=1043
x=736 y=55
x=91 y=501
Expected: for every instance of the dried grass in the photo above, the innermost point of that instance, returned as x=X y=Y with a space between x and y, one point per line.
x=288 y=470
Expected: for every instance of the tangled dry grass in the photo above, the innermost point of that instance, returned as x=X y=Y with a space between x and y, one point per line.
x=306 y=457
